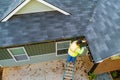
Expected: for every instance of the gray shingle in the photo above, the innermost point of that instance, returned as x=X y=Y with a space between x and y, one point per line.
x=107 y=29
x=6 y=6
x=49 y=25
x=77 y=6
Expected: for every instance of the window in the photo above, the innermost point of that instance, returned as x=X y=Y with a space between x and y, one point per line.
x=62 y=47
x=18 y=54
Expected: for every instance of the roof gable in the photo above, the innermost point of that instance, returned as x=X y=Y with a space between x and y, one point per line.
x=34 y=6
x=14 y=10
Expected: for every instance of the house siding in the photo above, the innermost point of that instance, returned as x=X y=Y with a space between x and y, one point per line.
x=107 y=66
x=38 y=52
x=33 y=59
x=35 y=48
x=4 y=54
x=32 y=50
x=39 y=49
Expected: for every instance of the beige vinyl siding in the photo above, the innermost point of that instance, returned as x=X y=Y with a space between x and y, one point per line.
x=34 y=6
x=4 y=54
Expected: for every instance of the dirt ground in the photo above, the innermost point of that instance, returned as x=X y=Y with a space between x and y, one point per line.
x=52 y=70
x=1 y=70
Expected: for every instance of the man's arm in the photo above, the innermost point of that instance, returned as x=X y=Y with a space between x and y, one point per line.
x=81 y=51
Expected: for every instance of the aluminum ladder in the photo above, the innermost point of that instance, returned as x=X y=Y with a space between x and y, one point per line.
x=69 y=71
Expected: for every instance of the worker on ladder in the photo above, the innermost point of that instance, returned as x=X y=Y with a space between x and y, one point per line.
x=76 y=48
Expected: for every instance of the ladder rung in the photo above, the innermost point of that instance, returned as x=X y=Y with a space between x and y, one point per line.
x=70 y=75
x=71 y=65
x=69 y=68
x=69 y=72
x=67 y=77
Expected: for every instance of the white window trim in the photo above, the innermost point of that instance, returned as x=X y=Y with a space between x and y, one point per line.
x=62 y=48
x=54 y=7
x=28 y=58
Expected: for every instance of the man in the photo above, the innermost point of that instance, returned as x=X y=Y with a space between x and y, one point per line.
x=74 y=50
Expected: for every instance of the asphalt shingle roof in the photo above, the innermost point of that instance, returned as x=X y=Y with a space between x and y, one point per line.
x=46 y=25
x=98 y=20
x=6 y=6
x=73 y=6
x=104 y=33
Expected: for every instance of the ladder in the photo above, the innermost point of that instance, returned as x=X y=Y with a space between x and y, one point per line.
x=69 y=71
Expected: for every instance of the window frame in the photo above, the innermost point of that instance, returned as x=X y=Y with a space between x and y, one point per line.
x=62 y=48
x=13 y=56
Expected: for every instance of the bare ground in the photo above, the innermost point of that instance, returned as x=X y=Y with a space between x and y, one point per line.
x=1 y=70
x=52 y=70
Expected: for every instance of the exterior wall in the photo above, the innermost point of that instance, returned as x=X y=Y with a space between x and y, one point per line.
x=34 y=6
x=107 y=66
x=37 y=52
x=88 y=62
x=4 y=54
x=33 y=59
x=32 y=50
x=39 y=49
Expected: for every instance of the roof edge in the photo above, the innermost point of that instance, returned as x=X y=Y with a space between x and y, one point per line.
x=54 y=7
x=15 y=10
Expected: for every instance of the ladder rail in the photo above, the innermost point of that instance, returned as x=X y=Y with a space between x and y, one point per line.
x=64 y=71
x=73 y=72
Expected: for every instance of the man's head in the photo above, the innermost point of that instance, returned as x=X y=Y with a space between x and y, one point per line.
x=79 y=42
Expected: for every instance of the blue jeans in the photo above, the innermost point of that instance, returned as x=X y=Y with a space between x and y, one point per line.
x=71 y=59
